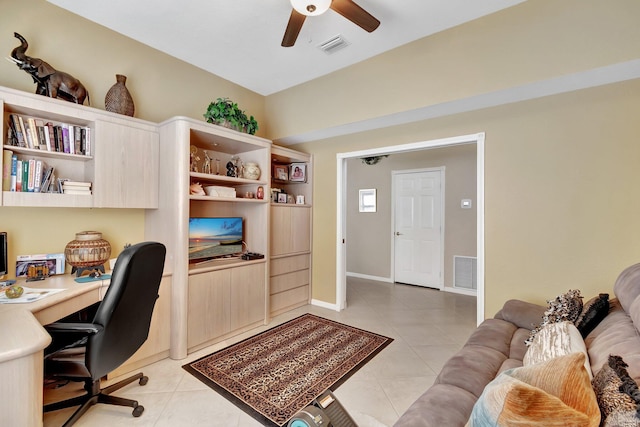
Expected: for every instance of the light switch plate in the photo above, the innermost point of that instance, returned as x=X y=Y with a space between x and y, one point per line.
x=465 y=204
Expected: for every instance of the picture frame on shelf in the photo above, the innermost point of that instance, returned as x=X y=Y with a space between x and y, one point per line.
x=280 y=173
x=298 y=172
x=282 y=198
x=300 y=200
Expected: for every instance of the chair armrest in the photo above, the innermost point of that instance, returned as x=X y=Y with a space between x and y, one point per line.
x=73 y=328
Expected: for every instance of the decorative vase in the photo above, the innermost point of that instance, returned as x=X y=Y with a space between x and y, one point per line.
x=118 y=99
x=89 y=251
x=251 y=170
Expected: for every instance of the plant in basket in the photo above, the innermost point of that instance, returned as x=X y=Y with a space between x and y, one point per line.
x=225 y=112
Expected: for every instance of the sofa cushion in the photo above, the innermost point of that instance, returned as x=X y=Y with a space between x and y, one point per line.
x=616 y=334
x=441 y=405
x=617 y=394
x=554 y=393
x=593 y=312
x=471 y=368
x=627 y=286
x=521 y=313
x=556 y=339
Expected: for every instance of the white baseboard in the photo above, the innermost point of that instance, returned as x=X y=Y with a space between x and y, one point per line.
x=470 y=292
x=324 y=304
x=368 y=277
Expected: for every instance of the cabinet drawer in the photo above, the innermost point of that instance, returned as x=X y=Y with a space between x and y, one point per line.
x=285 y=265
x=289 y=299
x=288 y=281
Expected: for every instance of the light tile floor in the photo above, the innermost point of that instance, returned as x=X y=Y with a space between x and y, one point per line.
x=427 y=326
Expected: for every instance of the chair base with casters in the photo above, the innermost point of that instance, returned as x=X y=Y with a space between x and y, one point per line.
x=97 y=395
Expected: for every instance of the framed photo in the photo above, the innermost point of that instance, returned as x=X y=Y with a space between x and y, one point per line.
x=300 y=200
x=282 y=197
x=280 y=173
x=298 y=172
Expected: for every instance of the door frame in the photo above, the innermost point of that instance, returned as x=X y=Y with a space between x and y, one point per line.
x=341 y=205
x=441 y=170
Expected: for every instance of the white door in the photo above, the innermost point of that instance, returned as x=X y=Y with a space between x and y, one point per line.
x=418 y=227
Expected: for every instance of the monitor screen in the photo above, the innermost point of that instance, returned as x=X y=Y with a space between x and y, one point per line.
x=214 y=237
x=4 y=254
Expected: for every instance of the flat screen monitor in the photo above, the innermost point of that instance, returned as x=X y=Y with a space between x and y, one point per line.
x=214 y=238
x=4 y=254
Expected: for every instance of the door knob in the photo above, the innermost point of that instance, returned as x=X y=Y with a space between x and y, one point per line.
x=398 y=233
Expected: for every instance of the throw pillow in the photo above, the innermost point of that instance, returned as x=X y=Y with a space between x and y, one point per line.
x=556 y=339
x=617 y=394
x=565 y=307
x=593 y=312
x=556 y=393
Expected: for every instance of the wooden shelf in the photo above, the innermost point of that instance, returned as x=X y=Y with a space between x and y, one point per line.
x=224 y=180
x=227 y=199
x=221 y=264
x=47 y=154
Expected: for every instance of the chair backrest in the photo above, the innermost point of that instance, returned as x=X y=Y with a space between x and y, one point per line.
x=125 y=312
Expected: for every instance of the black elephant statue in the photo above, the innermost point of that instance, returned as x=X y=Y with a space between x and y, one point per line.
x=50 y=82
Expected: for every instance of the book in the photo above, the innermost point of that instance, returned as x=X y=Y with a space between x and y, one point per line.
x=14 y=171
x=15 y=125
x=87 y=142
x=57 y=133
x=46 y=180
x=48 y=136
x=77 y=192
x=31 y=176
x=33 y=131
x=65 y=138
x=7 y=155
x=37 y=179
x=23 y=129
x=41 y=131
x=77 y=183
x=78 y=139
x=19 y=175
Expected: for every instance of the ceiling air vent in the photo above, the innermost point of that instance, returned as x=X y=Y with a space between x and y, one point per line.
x=334 y=44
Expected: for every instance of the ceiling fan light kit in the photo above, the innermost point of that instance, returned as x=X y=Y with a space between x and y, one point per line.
x=311 y=7
x=346 y=8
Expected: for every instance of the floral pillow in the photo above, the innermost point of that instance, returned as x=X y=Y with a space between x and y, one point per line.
x=566 y=307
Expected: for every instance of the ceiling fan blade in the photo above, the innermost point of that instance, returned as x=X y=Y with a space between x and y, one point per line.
x=355 y=14
x=293 y=28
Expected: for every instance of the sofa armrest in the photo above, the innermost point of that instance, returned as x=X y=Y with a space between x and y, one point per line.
x=521 y=313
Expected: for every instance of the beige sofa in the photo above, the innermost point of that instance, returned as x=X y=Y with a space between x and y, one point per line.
x=498 y=345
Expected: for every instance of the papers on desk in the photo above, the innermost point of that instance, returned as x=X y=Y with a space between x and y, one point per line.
x=29 y=295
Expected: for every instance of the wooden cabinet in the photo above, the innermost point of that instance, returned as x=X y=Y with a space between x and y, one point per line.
x=122 y=159
x=225 y=302
x=211 y=299
x=290 y=224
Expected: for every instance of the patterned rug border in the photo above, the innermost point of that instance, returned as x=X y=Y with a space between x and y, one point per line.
x=248 y=408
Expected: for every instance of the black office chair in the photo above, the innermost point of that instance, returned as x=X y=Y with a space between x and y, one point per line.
x=89 y=351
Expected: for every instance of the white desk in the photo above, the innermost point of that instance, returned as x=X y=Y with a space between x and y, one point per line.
x=23 y=339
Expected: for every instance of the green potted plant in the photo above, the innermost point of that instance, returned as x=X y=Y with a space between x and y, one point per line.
x=225 y=112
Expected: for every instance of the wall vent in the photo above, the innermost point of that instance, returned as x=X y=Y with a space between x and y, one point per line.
x=465 y=273
x=334 y=44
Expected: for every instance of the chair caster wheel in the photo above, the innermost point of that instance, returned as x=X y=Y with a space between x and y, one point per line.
x=138 y=410
x=143 y=380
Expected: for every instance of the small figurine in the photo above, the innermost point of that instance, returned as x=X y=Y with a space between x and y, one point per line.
x=193 y=159
x=231 y=169
x=206 y=167
x=260 y=192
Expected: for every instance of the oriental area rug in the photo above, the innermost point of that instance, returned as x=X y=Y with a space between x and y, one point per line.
x=273 y=375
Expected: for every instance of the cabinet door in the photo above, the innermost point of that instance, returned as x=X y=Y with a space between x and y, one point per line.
x=208 y=316
x=126 y=167
x=290 y=230
x=300 y=229
x=247 y=295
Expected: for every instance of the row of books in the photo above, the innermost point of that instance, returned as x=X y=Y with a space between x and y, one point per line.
x=35 y=176
x=38 y=134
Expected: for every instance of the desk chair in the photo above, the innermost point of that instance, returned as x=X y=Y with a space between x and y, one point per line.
x=86 y=352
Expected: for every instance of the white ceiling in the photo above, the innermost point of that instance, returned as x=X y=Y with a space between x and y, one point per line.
x=239 y=40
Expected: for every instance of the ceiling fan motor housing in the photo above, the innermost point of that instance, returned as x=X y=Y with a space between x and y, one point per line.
x=311 y=7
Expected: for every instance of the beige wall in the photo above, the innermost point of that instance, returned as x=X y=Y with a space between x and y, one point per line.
x=561 y=193
x=373 y=231
x=160 y=85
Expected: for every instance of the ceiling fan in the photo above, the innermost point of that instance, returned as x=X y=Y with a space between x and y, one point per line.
x=347 y=8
